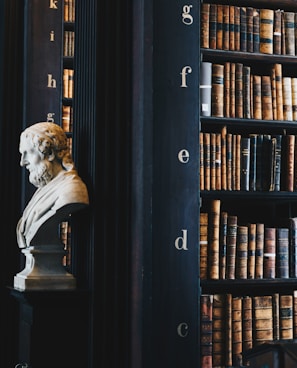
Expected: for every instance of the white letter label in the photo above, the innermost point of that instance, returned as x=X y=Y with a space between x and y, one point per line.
x=183 y=156
x=53 y=4
x=51 y=82
x=187 y=17
x=185 y=70
x=182 y=329
x=181 y=241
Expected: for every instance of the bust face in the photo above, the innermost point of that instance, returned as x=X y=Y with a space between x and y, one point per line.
x=39 y=167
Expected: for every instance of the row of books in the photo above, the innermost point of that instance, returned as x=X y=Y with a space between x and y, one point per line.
x=232 y=250
x=253 y=162
x=68 y=44
x=68 y=83
x=248 y=29
x=231 y=325
x=69 y=10
x=234 y=90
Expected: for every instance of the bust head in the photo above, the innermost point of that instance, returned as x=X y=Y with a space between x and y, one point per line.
x=44 y=152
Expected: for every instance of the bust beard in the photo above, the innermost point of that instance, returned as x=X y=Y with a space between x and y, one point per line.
x=42 y=174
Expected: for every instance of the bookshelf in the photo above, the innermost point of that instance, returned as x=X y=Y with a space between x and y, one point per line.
x=249 y=49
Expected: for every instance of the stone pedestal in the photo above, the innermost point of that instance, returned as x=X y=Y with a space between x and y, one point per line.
x=44 y=270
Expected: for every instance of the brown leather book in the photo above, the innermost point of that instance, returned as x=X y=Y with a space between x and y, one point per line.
x=206 y=137
x=206 y=318
x=287 y=98
x=201 y=160
x=227 y=82
x=273 y=93
x=217 y=92
x=204 y=29
x=219 y=330
x=213 y=26
x=263 y=319
x=293 y=247
x=259 y=250
x=288 y=162
x=231 y=27
x=241 y=252
x=251 y=250
x=266 y=31
x=232 y=90
x=267 y=113
x=218 y=161
x=275 y=312
x=239 y=90
x=257 y=97
x=286 y=317
x=223 y=243
x=246 y=91
x=226 y=29
x=295 y=314
x=229 y=337
x=203 y=225
x=269 y=255
x=294 y=97
x=256 y=30
x=279 y=91
x=219 y=43
x=237 y=331
x=212 y=161
x=231 y=246
x=277 y=32
x=243 y=29
x=237 y=161
x=247 y=323
x=249 y=29
x=282 y=252
x=229 y=160
x=289 y=19
x=214 y=239
x=224 y=158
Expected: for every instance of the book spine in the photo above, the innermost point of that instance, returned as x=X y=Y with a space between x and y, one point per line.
x=206 y=137
x=205 y=88
x=251 y=265
x=218 y=161
x=289 y=18
x=237 y=331
x=256 y=30
x=204 y=29
x=231 y=246
x=217 y=93
x=249 y=29
x=213 y=26
x=246 y=92
x=282 y=252
x=253 y=162
x=241 y=252
x=295 y=314
x=218 y=330
x=232 y=90
x=245 y=163
x=263 y=319
x=206 y=318
x=273 y=94
x=226 y=30
x=243 y=29
x=201 y=160
x=237 y=161
x=289 y=157
x=267 y=113
x=277 y=32
x=278 y=162
x=269 y=254
x=212 y=161
x=237 y=27
x=286 y=317
x=259 y=175
x=224 y=158
x=287 y=98
x=227 y=91
x=293 y=246
x=219 y=27
x=223 y=244
x=266 y=31
x=231 y=27
x=294 y=98
x=203 y=245
x=247 y=323
x=275 y=313
x=214 y=239
x=229 y=160
x=279 y=91
x=228 y=338
x=257 y=97
x=239 y=90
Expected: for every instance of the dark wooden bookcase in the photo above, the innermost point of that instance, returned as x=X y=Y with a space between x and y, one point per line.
x=272 y=208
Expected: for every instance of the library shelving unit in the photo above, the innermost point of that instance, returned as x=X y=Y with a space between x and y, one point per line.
x=244 y=181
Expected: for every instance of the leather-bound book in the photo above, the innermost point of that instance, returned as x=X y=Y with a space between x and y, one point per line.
x=231 y=246
x=226 y=28
x=259 y=250
x=286 y=317
x=282 y=252
x=251 y=250
x=217 y=92
x=219 y=330
x=247 y=323
x=269 y=255
x=263 y=319
x=266 y=31
x=237 y=331
x=289 y=19
x=214 y=239
x=213 y=26
x=204 y=29
x=206 y=308
x=277 y=32
x=219 y=32
x=203 y=225
x=241 y=252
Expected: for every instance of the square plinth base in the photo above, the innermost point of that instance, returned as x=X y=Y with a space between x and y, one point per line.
x=44 y=283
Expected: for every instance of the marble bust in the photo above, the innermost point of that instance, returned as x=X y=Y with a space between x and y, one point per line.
x=60 y=192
